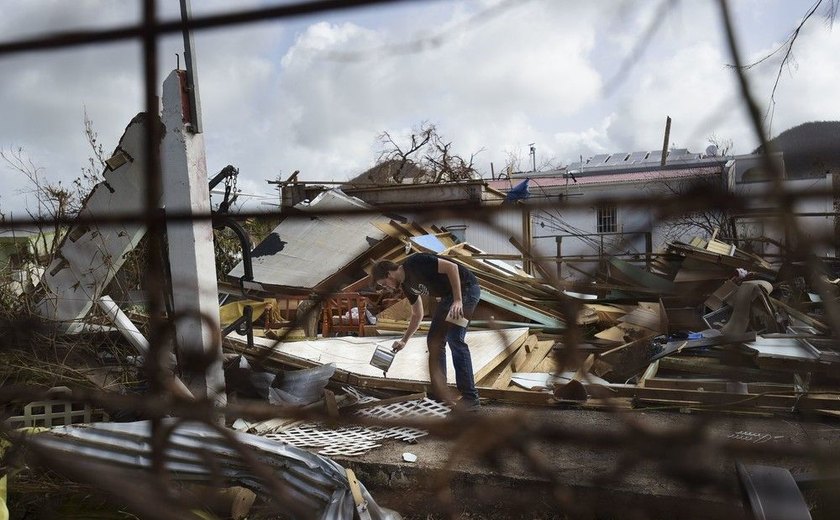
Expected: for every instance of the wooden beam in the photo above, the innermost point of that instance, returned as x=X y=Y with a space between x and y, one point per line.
x=517 y=396
x=817 y=324
x=715 y=385
x=624 y=360
x=538 y=353
x=730 y=400
x=712 y=367
x=649 y=373
x=522 y=310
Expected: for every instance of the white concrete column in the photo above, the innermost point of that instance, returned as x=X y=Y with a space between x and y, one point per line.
x=191 y=260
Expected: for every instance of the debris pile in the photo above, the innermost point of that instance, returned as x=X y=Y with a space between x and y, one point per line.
x=700 y=326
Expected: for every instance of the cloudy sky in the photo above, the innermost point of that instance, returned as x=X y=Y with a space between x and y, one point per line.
x=312 y=93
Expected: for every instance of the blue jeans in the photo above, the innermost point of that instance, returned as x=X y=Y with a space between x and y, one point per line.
x=441 y=331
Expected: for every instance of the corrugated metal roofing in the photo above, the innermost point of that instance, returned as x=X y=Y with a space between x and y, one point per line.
x=302 y=252
x=316 y=484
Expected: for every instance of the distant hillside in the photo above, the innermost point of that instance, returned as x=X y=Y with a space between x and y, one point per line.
x=810 y=149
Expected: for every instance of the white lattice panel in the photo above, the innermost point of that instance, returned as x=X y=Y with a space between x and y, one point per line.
x=357 y=440
x=341 y=441
x=56 y=413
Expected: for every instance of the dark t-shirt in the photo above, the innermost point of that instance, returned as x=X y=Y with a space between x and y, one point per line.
x=422 y=277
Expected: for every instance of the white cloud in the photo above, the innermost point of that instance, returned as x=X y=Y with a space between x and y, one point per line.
x=275 y=98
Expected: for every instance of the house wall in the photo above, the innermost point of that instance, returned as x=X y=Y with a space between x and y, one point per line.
x=493 y=237
x=813 y=224
x=580 y=241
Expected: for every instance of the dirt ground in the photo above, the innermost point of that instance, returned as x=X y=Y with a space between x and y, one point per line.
x=657 y=465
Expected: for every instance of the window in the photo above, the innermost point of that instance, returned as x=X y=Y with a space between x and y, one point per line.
x=607 y=219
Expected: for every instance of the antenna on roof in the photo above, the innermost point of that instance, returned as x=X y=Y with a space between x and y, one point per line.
x=533 y=157
x=711 y=150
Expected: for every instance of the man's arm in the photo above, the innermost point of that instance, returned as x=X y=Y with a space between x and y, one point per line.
x=413 y=324
x=451 y=271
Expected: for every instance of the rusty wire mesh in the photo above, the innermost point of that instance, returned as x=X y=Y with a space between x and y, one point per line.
x=685 y=454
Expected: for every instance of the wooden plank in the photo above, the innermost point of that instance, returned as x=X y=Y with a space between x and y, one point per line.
x=405 y=230
x=698 y=243
x=506 y=291
x=622 y=331
x=382 y=383
x=707 y=257
x=726 y=400
x=338 y=280
x=492 y=273
x=503 y=380
x=548 y=365
x=711 y=367
x=715 y=385
x=504 y=358
x=716 y=299
x=529 y=345
x=518 y=396
x=352 y=355
x=484 y=269
x=624 y=360
x=522 y=310
x=526 y=254
x=518 y=359
x=538 y=353
x=488 y=380
x=650 y=373
x=643 y=317
x=813 y=322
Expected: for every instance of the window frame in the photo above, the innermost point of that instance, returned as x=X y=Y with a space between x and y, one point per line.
x=606 y=219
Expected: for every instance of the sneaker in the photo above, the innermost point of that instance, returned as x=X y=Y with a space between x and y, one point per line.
x=467 y=405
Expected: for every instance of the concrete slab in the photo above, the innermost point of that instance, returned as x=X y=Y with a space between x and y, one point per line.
x=554 y=463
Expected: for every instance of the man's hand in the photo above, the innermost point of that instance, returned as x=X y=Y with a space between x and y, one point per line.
x=398 y=345
x=456 y=311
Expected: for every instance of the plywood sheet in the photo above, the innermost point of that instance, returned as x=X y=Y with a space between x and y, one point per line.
x=352 y=354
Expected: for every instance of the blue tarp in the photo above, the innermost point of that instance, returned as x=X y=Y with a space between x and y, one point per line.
x=518 y=192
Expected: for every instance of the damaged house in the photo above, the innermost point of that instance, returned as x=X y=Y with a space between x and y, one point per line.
x=626 y=369
x=803 y=156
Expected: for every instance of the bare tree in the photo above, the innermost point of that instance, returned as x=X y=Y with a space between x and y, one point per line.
x=786 y=51
x=513 y=162
x=724 y=145
x=402 y=155
x=54 y=200
x=707 y=220
x=428 y=157
x=446 y=166
x=92 y=171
